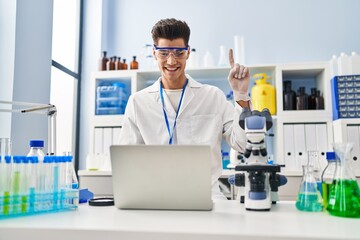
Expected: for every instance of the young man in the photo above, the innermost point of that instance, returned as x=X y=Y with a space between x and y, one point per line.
x=178 y=110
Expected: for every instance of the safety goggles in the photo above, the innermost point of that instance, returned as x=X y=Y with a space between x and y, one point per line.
x=164 y=52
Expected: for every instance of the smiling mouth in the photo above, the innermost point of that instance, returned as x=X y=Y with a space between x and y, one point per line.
x=171 y=69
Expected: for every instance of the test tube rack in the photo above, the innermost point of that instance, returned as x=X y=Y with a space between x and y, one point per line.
x=29 y=187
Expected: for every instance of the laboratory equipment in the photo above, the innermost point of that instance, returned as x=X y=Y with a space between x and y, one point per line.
x=111 y=98
x=327 y=177
x=29 y=182
x=134 y=64
x=223 y=59
x=309 y=197
x=102 y=62
x=344 y=198
x=259 y=184
x=25 y=194
x=47 y=109
x=289 y=97
x=263 y=94
x=36 y=149
x=302 y=99
x=313 y=160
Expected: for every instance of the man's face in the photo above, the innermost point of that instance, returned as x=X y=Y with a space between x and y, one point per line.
x=171 y=56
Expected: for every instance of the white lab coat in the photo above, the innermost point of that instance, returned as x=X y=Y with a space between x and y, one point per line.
x=205 y=117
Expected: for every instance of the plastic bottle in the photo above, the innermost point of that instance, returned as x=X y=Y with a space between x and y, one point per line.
x=289 y=97
x=333 y=66
x=225 y=159
x=208 y=60
x=223 y=60
x=344 y=198
x=327 y=177
x=134 y=64
x=344 y=64
x=355 y=63
x=36 y=149
x=193 y=61
x=102 y=62
x=309 y=198
x=263 y=94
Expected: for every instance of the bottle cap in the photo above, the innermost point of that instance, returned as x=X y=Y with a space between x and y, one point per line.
x=17 y=159
x=48 y=159
x=33 y=159
x=36 y=143
x=330 y=156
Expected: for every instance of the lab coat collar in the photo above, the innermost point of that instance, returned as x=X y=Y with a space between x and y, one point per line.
x=156 y=86
x=188 y=94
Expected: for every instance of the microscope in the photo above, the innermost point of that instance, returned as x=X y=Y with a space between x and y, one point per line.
x=258 y=183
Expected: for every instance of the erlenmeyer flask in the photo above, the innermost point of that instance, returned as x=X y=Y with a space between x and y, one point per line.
x=309 y=198
x=344 y=199
x=313 y=160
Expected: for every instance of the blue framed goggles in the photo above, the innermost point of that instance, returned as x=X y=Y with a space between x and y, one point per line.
x=164 y=52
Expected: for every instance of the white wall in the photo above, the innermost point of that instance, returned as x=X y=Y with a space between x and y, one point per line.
x=27 y=57
x=7 y=50
x=275 y=31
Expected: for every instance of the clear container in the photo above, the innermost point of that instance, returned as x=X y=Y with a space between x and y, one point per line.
x=111 y=98
x=36 y=149
x=309 y=198
x=344 y=198
x=327 y=177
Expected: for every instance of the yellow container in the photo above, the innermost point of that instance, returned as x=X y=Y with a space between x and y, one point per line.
x=263 y=94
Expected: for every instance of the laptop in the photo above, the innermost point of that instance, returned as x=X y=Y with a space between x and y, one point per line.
x=171 y=177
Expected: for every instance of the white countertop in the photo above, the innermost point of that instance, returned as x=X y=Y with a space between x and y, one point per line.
x=228 y=220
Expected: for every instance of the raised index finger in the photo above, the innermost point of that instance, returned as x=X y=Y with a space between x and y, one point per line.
x=231 y=58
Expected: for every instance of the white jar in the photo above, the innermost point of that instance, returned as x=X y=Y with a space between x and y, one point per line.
x=333 y=66
x=344 y=64
x=355 y=63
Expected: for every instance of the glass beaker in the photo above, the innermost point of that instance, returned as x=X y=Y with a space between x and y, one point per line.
x=344 y=199
x=309 y=198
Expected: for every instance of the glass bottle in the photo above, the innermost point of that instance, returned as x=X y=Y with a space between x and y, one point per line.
x=344 y=198
x=289 y=97
x=110 y=65
x=124 y=65
x=309 y=198
x=102 y=62
x=301 y=99
x=327 y=177
x=134 y=64
x=319 y=100
x=36 y=149
x=312 y=104
x=118 y=64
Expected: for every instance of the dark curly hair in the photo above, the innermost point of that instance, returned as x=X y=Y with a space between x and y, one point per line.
x=170 y=28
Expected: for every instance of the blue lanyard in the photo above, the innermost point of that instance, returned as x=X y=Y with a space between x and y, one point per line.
x=171 y=135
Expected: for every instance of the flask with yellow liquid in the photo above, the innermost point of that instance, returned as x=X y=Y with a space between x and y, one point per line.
x=263 y=94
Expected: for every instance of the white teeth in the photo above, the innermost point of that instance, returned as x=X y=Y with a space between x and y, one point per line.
x=171 y=69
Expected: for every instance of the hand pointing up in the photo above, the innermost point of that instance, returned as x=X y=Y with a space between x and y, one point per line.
x=239 y=78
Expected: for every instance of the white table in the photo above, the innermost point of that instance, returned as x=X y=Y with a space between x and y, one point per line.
x=228 y=220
